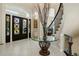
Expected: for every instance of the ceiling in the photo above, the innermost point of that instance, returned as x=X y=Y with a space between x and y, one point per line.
x=24 y=8
x=30 y=6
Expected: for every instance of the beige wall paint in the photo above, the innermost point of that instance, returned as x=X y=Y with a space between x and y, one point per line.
x=18 y=9
x=75 y=46
x=0 y=22
x=71 y=25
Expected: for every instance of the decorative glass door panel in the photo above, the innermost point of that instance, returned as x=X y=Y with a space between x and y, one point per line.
x=24 y=27
x=16 y=26
x=29 y=28
x=7 y=19
x=24 y=31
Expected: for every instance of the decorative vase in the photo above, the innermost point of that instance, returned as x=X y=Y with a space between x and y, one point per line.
x=44 y=45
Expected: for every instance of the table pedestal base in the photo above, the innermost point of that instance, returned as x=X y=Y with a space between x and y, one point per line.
x=44 y=53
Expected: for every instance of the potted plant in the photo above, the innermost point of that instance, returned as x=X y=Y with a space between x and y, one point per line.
x=43 y=16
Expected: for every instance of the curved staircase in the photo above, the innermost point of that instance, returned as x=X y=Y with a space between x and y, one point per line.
x=56 y=25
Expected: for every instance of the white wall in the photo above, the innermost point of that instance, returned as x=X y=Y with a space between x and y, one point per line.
x=71 y=23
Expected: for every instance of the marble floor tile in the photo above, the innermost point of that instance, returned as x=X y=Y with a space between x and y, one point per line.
x=27 y=47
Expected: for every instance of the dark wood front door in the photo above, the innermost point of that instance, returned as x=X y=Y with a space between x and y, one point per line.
x=19 y=28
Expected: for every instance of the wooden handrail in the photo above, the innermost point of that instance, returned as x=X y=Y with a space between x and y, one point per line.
x=55 y=15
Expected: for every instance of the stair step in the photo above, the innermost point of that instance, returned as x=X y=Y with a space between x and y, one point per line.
x=58 y=26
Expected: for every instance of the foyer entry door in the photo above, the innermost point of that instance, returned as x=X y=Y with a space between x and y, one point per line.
x=19 y=28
